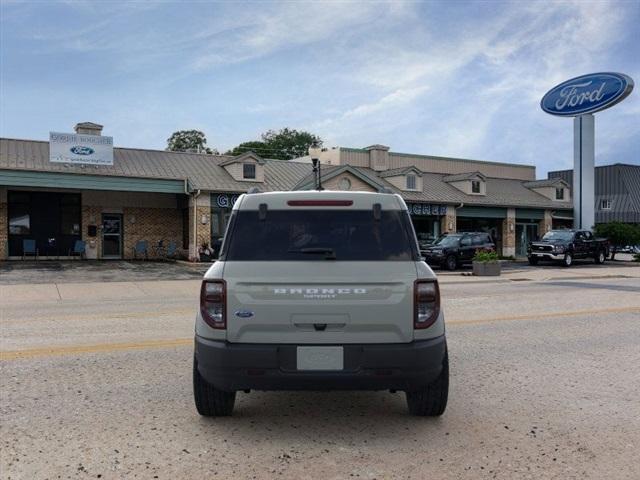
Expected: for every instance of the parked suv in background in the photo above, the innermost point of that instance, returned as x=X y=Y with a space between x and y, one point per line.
x=455 y=249
x=320 y=291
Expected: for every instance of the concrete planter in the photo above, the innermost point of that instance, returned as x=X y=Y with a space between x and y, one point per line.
x=486 y=269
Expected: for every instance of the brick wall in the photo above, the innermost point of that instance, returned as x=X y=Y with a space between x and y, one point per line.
x=449 y=219
x=509 y=233
x=545 y=224
x=92 y=216
x=152 y=225
x=203 y=231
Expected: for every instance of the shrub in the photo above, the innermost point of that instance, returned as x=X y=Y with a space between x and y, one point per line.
x=482 y=256
x=619 y=234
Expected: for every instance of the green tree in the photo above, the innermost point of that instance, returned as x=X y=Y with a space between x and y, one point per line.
x=283 y=144
x=188 y=141
x=257 y=147
x=619 y=234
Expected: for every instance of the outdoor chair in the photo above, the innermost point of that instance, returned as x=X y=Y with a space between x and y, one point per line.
x=159 y=249
x=142 y=249
x=172 y=248
x=79 y=248
x=29 y=248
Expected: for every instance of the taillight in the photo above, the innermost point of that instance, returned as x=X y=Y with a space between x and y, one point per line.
x=213 y=303
x=426 y=303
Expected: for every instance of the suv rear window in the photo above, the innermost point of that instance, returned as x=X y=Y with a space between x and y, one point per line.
x=320 y=235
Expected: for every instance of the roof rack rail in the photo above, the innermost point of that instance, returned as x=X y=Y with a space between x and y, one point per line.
x=254 y=190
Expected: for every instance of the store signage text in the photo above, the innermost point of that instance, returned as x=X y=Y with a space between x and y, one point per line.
x=226 y=201
x=426 y=209
x=80 y=149
x=587 y=94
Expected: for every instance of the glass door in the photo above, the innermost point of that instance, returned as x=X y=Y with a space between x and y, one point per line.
x=525 y=233
x=111 y=235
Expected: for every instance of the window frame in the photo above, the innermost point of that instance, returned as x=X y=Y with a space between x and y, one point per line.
x=560 y=193
x=414 y=180
x=244 y=171
x=607 y=202
x=473 y=184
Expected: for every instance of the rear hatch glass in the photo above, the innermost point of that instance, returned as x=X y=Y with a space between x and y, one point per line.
x=307 y=235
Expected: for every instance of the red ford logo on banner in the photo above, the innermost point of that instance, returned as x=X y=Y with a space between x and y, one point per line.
x=587 y=94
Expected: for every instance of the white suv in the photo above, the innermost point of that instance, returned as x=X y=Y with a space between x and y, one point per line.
x=320 y=290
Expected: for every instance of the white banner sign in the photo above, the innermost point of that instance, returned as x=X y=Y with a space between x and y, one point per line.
x=74 y=148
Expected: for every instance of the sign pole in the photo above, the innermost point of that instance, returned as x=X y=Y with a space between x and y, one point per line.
x=583 y=171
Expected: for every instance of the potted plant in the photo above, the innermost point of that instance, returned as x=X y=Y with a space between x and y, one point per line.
x=486 y=264
x=205 y=253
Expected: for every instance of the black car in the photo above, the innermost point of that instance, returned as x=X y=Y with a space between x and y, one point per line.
x=564 y=246
x=455 y=249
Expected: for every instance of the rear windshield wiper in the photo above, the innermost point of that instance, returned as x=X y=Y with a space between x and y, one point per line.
x=330 y=254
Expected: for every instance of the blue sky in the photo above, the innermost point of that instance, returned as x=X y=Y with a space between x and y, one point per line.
x=460 y=79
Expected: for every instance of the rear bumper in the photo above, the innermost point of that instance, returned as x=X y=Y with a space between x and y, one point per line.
x=406 y=366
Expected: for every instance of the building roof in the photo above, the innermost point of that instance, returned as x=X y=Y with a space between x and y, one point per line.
x=205 y=172
x=400 y=171
x=201 y=170
x=547 y=182
x=459 y=177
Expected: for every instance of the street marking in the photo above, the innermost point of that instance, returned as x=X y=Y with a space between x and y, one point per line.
x=574 y=313
x=181 y=342
x=104 y=347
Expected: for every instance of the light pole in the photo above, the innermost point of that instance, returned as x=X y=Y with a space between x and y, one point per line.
x=317 y=172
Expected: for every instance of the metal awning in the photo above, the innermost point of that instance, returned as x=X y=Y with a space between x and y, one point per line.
x=29 y=178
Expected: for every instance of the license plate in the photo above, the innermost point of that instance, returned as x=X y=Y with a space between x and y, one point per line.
x=539 y=255
x=320 y=358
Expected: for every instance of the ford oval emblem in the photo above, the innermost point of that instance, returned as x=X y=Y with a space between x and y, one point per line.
x=244 y=313
x=587 y=94
x=79 y=150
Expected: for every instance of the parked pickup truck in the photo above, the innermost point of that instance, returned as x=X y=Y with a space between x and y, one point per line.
x=320 y=290
x=565 y=246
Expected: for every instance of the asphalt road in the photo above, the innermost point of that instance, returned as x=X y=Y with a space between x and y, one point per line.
x=545 y=384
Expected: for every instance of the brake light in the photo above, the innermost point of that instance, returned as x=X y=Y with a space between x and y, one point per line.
x=213 y=303
x=426 y=303
x=320 y=203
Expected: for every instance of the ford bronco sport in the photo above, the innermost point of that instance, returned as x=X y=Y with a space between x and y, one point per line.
x=320 y=290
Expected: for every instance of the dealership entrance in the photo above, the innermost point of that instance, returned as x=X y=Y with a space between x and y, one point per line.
x=111 y=235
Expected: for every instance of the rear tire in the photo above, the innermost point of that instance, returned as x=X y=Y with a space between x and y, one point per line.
x=533 y=261
x=600 y=257
x=568 y=260
x=451 y=263
x=432 y=401
x=211 y=402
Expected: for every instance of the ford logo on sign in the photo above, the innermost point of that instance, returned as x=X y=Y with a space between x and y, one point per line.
x=78 y=150
x=587 y=94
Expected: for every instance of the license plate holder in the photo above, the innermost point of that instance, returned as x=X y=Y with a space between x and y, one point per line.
x=320 y=358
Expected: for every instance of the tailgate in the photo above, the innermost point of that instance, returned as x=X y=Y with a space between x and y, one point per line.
x=327 y=303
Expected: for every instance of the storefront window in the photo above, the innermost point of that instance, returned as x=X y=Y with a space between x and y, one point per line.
x=19 y=220
x=19 y=217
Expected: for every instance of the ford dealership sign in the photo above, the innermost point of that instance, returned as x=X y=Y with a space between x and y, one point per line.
x=587 y=94
x=80 y=149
